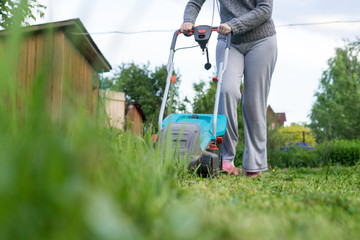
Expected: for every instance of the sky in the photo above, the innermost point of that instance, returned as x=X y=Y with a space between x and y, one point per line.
x=303 y=51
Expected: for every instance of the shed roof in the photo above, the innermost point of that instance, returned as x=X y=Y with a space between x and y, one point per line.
x=78 y=35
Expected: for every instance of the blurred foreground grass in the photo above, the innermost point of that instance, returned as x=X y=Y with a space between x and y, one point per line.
x=92 y=184
x=79 y=180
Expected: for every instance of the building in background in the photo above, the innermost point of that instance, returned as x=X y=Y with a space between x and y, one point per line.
x=275 y=120
x=115 y=108
x=64 y=56
x=134 y=118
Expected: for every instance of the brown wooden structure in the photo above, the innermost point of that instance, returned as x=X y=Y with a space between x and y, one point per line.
x=275 y=120
x=134 y=118
x=64 y=56
x=115 y=108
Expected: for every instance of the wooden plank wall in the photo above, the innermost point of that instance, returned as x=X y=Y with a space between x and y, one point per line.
x=67 y=74
x=115 y=108
x=78 y=76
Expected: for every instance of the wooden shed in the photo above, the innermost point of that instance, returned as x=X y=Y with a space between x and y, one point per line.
x=135 y=118
x=64 y=55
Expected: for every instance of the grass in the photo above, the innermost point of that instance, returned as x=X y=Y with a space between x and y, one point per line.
x=298 y=204
x=80 y=180
x=92 y=185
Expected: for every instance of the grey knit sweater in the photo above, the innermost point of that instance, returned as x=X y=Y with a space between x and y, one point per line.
x=250 y=20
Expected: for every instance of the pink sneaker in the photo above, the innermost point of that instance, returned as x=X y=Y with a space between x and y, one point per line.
x=229 y=168
x=252 y=174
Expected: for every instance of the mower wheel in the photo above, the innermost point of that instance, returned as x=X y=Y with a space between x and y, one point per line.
x=206 y=166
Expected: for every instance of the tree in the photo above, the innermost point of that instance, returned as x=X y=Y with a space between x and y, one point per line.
x=145 y=87
x=336 y=111
x=17 y=12
x=204 y=101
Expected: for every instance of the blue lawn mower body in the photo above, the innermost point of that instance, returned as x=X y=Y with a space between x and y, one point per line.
x=196 y=138
x=204 y=121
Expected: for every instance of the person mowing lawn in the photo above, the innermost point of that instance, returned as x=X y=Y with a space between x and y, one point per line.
x=252 y=56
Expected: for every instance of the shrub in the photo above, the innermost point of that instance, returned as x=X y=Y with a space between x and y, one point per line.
x=298 y=133
x=276 y=139
x=344 y=152
x=294 y=155
x=280 y=137
x=239 y=155
x=293 y=146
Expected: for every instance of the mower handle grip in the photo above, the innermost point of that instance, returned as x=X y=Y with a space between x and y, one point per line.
x=178 y=32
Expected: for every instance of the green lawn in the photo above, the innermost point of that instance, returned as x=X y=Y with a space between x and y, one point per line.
x=296 y=204
x=85 y=182
x=76 y=179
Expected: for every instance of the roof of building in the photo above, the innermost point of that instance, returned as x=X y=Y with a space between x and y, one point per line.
x=280 y=116
x=78 y=35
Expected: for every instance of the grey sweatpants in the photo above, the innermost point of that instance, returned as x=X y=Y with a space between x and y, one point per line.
x=255 y=61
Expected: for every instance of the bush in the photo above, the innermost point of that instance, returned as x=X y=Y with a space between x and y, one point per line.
x=293 y=146
x=294 y=155
x=276 y=139
x=239 y=155
x=298 y=133
x=344 y=152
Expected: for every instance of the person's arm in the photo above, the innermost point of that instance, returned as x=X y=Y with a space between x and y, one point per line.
x=192 y=10
x=260 y=14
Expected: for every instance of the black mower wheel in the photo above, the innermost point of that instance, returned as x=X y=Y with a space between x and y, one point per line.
x=206 y=166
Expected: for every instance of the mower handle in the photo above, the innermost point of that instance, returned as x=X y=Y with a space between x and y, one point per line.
x=178 y=32
x=170 y=68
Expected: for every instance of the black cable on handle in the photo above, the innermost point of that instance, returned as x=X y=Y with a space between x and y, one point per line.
x=208 y=64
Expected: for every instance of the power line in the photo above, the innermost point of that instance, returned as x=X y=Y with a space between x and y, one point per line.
x=127 y=33
x=316 y=23
x=164 y=31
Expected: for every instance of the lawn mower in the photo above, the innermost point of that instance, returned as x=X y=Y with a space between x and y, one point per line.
x=197 y=138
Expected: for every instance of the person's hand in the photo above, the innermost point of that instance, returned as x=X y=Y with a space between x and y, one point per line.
x=187 y=28
x=224 y=29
